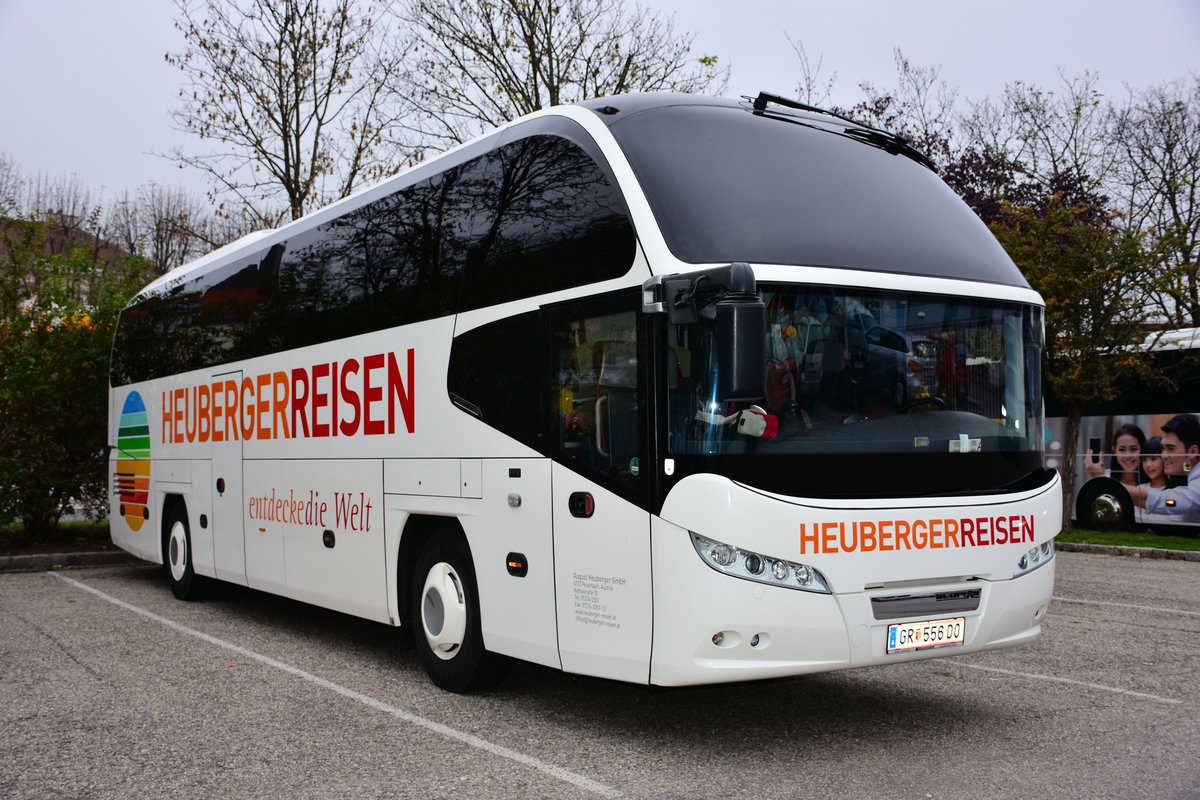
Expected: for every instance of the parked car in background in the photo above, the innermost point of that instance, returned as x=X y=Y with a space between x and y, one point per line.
x=894 y=366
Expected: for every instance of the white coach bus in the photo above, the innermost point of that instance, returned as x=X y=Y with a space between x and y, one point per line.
x=663 y=389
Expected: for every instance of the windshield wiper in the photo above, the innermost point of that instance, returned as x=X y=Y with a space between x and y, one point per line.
x=765 y=98
x=892 y=143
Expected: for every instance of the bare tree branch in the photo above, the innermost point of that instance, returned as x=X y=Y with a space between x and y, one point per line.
x=811 y=89
x=1158 y=136
x=481 y=64
x=292 y=96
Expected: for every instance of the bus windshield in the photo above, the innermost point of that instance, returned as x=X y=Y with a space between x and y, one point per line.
x=728 y=185
x=869 y=393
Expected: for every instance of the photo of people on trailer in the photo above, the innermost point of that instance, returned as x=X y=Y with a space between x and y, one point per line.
x=1180 y=499
x=1151 y=455
x=1124 y=459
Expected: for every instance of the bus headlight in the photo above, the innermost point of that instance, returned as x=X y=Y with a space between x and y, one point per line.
x=722 y=554
x=757 y=567
x=780 y=570
x=1039 y=556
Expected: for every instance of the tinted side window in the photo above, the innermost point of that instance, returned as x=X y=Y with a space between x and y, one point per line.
x=533 y=216
x=394 y=261
x=548 y=218
x=498 y=372
x=144 y=342
x=192 y=325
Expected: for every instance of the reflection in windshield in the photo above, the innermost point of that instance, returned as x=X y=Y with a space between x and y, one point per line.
x=853 y=373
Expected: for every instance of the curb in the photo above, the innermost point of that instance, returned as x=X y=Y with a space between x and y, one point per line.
x=1132 y=552
x=42 y=563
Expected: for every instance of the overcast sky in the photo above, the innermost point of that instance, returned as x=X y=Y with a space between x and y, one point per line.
x=86 y=90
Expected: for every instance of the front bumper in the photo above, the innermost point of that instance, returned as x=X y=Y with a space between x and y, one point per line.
x=769 y=632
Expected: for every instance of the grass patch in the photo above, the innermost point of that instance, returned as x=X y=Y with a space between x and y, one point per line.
x=69 y=537
x=1126 y=539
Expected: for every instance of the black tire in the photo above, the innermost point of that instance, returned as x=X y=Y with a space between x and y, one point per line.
x=177 y=556
x=445 y=615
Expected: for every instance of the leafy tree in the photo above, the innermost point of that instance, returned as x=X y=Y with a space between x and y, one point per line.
x=987 y=181
x=57 y=311
x=1092 y=273
x=292 y=94
x=478 y=65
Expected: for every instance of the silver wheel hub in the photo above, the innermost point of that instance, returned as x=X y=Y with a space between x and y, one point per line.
x=1106 y=508
x=177 y=551
x=444 y=611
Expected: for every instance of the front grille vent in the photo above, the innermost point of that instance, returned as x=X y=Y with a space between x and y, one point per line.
x=925 y=604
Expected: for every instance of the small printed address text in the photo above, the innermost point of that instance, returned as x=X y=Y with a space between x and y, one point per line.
x=592 y=595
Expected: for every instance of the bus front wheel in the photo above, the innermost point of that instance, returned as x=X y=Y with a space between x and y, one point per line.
x=445 y=609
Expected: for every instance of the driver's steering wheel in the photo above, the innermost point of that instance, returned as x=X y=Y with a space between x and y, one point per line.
x=929 y=399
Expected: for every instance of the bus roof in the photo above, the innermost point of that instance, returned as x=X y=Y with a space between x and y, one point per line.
x=827 y=192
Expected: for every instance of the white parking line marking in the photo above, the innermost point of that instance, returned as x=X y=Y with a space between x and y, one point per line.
x=1056 y=679
x=1150 y=609
x=437 y=727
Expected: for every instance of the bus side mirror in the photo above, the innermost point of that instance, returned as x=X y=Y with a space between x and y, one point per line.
x=741 y=329
x=729 y=297
x=741 y=348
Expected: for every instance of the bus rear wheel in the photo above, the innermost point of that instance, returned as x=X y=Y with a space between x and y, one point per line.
x=445 y=609
x=177 y=556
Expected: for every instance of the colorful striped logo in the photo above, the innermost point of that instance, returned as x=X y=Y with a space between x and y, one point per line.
x=132 y=478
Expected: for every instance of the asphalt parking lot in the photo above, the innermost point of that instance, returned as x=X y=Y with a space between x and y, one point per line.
x=112 y=688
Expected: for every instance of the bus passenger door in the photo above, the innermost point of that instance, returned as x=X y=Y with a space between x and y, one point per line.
x=602 y=580
x=229 y=544
x=601 y=534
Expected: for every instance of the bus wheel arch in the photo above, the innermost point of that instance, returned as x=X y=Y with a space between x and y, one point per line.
x=177 y=550
x=417 y=531
x=443 y=605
